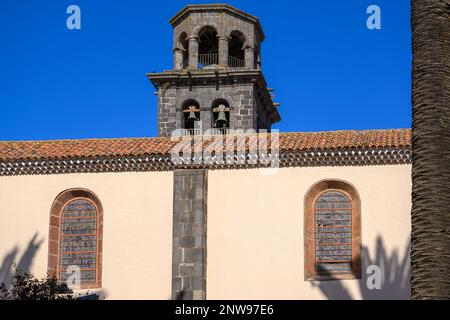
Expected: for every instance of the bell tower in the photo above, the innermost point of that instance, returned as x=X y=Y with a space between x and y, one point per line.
x=216 y=81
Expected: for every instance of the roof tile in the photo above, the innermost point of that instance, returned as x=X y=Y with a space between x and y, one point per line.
x=290 y=142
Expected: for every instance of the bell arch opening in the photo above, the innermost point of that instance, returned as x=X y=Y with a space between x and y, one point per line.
x=190 y=114
x=236 y=50
x=208 y=50
x=221 y=115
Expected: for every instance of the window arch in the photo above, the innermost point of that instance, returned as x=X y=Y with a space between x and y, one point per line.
x=332 y=224
x=221 y=114
x=190 y=110
x=236 y=52
x=208 y=51
x=76 y=232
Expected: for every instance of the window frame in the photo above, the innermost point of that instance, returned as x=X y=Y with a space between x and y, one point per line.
x=310 y=272
x=61 y=201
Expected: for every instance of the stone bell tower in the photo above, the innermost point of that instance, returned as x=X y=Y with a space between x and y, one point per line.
x=216 y=81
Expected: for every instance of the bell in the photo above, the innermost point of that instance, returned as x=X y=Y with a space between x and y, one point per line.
x=221 y=119
x=192 y=116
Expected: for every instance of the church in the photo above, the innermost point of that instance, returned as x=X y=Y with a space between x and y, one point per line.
x=219 y=205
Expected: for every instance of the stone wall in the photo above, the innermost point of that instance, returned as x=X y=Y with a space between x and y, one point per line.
x=247 y=111
x=189 y=235
x=224 y=23
x=241 y=99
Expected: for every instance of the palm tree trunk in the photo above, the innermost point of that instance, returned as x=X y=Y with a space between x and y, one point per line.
x=430 y=216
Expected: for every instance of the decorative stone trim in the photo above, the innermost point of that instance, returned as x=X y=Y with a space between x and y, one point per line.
x=307 y=158
x=222 y=8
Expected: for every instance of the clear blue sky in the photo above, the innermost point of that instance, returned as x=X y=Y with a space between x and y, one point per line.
x=328 y=70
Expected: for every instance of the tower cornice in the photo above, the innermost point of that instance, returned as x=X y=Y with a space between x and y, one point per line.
x=187 y=10
x=217 y=77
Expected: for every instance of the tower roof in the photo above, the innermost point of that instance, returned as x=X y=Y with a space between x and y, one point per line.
x=181 y=15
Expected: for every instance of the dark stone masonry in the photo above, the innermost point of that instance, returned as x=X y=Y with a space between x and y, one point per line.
x=189 y=235
x=217 y=61
x=216 y=83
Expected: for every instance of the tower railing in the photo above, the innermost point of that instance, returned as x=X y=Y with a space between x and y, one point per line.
x=208 y=59
x=190 y=132
x=234 y=62
x=219 y=131
x=199 y=132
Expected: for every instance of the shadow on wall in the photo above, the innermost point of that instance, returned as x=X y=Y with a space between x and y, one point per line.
x=395 y=276
x=180 y=296
x=101 y=294
x=25 y=262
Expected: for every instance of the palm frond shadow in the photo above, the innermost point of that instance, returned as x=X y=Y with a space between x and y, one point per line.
x=395 y=276
x=25 y=262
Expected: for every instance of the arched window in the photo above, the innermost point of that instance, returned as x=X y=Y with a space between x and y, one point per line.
x=190 y=113
x=76 y=226
x=236 y=53
x=221 y=115
x=332 y=232
x=208 y=51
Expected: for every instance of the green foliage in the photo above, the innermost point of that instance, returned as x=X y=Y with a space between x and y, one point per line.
x=25 y=286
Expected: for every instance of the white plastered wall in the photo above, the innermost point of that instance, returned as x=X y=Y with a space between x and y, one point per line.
x=255 y=232
x=137 y=231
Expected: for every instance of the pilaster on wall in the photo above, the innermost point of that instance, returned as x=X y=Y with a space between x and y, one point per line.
x=189 y=234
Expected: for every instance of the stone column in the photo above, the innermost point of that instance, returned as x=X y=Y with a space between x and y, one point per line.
x=249 y=58
x=189 y=234
x=193 y=53
x=177 y=59
x=258 y=57
x=223 y=51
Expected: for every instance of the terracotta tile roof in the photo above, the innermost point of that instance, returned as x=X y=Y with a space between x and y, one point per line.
x=288 y=142
x=348 y=139
x=83 y=148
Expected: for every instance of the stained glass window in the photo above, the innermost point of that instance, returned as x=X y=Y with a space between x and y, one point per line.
x=333 y=233
x=78 y=240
